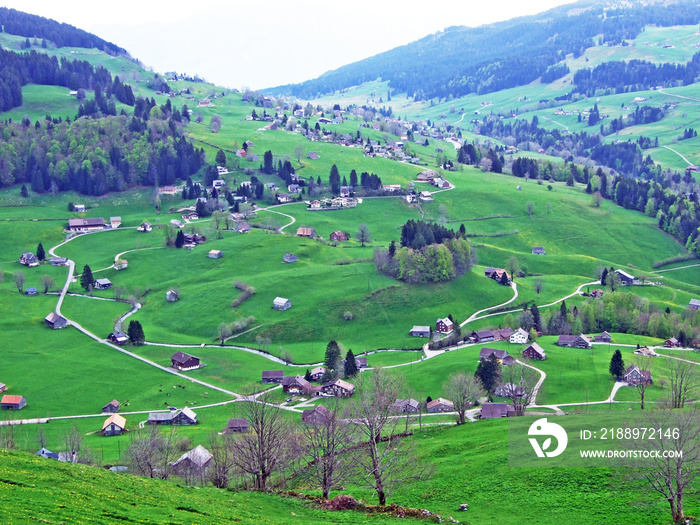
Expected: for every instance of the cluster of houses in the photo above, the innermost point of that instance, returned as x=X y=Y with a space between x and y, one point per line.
x=299 y=385
x=433 y=178
x=412 y=406
x=336 y=203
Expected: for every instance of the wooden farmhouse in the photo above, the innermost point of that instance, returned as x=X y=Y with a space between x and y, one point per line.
x=605 y=337
x=440 y=405
x=46 y=453
x=361 y=362
x=183 y=362
x=625 y=278
x=574 y=341
x=118 y=337
x=338 y=236
x=502 y=334
x=270 y=377
x=306 y=232
x=215 y=254
x=236 y=426
x=493 y=410
x=31 y=291
x=145 y=227
x=316 y=416
x=538 y=250
x=29 y=259
x=694 y=304
x=405 y=406
x=502 y=356
x=672 y=343
x=289 y=258
x=444 y=326
x=295 y=385
x=317 y=373
x=535 y=351
x=482 y=336
x=56 y=321
x=280 y=303
x=115 y=425
x=9 y=402
x=339 y=388
x=171 y=296
x=86 y=225
x=634 y=376
x=182 y=417
x=420 y=331
x=112 y=407
x=58 y=261
x=193 y=463
x=102 y=284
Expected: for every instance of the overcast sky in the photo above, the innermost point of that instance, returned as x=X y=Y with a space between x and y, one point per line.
x=269 y=42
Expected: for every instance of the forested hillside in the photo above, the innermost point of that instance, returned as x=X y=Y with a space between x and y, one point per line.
x=462 y=60
x=32 y=26
x=94 y=156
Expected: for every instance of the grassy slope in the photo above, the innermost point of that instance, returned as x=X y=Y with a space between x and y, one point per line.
x=33 y=488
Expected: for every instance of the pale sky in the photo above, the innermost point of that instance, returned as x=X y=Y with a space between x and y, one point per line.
x=266 y=43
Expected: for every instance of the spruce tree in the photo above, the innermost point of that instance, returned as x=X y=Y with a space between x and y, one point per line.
x=40 y=253
x=135 y=333
x=536 y=317
x=332 y=358
x=617 y=365
x=86 y=279
x=489 y=373
x=180 y=239
x=603 y=276
x=307 y=375
x=351 y=367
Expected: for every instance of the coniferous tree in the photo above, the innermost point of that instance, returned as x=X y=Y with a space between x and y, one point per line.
x=332 y=358
x=40 y=253
x=86 y=279
x=603 y=276
x=489 y=373
x=351 y=367
x=24 y=192
x=307 y=375
x=537 y=321
x=617 y=365
x=179 y=239
x=135 y=333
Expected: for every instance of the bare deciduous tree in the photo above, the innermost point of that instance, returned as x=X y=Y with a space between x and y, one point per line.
x=644 y=365
x=19 y=280
x=683 y=380
x=221 y=467
x=47 y=283
x=74 y=447
x=539 y=285
x=151 y=451
x=299 y=151
x=530 y=209
x=672 y=477
x=519 y=384
x=326 y=443
x=363 y=236
x=385 y=459
x=463 y=389
x=269 y=447
x=286 y=356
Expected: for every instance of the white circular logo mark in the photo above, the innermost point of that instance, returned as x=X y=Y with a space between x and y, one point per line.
x=542 y=428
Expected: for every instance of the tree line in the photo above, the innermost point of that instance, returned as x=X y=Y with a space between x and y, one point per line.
x=20 y=69
x=635 y=75
x=62 y=35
